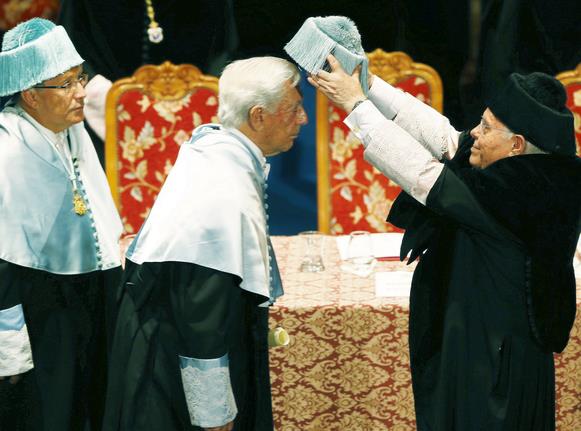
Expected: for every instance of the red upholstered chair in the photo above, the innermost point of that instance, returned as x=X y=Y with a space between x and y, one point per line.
x=13 y=12
x=571 y=79
x=148 y=116
x=352 y=194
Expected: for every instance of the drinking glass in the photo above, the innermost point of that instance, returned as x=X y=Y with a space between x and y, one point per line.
x=312 y=243
x=360 y=258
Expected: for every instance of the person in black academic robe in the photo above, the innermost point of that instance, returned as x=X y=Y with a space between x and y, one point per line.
x=494 y=218
x=190 y=345
x=59 y=234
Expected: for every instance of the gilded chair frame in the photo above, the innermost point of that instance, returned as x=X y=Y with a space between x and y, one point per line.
x=392 y=67
x=166 y=81
x=572 y=77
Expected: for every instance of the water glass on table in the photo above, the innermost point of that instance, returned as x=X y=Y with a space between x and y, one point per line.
x=312 y=243
x=360 y=260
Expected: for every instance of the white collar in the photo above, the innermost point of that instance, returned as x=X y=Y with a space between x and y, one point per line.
x=256 y=152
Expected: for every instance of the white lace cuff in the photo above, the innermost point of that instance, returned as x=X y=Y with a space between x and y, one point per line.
x=427 y=126
x=208 y=391
x=15 y=353
x=363 y=119
x=386 y=98
x=393 y=151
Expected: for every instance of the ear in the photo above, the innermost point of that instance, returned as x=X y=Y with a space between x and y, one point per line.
x=518 y=145
x=256 y=118
x=30 y=98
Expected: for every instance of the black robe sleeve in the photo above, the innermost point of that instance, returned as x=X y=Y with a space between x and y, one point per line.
x=175 y=311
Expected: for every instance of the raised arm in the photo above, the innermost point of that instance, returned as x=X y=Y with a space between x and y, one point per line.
x=424 y=123
x=394 y=151
x=430 y=128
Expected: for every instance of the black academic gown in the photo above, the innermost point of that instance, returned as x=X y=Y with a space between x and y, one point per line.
x=67 y=317
x=174 y=309
x=481 y=353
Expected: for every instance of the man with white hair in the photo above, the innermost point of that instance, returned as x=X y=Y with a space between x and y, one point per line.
x=494 y=216
x=59 y=232
x=190 y=347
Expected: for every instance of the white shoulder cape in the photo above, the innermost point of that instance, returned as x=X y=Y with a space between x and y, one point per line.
x=210 y=212
x=38 y=227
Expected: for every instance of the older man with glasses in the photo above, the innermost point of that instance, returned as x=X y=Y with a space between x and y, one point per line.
x=59 y=232
x=494 y=216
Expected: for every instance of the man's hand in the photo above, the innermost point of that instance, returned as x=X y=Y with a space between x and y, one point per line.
x=11 y=379
x=342 y=89
x=228 y=427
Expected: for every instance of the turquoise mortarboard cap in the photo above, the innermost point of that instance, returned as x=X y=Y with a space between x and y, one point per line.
x=32 y=52
x=320 y=36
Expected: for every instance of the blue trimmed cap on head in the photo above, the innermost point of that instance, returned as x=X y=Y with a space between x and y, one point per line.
x=32 y=52
x=320 y=36
x=534 y=106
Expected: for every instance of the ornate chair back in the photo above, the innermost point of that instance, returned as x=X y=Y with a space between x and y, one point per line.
x=352 y=194
x=571 y=79
x=148 y=116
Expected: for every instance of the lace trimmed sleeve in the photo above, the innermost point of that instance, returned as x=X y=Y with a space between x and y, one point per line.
x=15 y=352
x=208 y=391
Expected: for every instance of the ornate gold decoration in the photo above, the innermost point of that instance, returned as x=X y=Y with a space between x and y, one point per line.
x=161 y=83
x=154 y=32
x=79 y=204
x=570 y=76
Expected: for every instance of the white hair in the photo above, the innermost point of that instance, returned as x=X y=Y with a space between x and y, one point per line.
x=257 y=81
x=532 y=149
x=529 y=147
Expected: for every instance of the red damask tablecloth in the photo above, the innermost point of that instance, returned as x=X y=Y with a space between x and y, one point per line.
x=347 y=365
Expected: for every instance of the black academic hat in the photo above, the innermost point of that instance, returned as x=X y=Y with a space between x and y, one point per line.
x=534 y=106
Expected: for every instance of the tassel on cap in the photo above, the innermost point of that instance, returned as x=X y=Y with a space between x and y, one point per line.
x=320 y=36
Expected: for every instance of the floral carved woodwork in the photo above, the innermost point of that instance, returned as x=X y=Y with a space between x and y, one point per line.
x=352 y=194
x=148 y=117
x=572 y=81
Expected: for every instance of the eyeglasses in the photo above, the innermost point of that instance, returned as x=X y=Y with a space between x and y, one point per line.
x=69 y=85
x=485 y=127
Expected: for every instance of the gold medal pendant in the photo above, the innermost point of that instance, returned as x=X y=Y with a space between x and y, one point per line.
x=79 y=204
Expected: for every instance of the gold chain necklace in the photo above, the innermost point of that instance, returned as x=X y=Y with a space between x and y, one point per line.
x=154 y=32
x=79 y=205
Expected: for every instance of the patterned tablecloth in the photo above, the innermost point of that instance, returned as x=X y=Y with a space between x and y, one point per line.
x=347 y=365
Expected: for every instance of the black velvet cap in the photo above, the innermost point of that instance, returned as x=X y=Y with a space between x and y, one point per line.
x=534 y=106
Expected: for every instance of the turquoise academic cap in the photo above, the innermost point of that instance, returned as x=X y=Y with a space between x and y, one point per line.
x=32 y=52
x=320 y=36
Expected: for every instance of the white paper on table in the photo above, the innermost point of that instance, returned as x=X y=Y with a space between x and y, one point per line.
x=392 y=284
x=382 y=244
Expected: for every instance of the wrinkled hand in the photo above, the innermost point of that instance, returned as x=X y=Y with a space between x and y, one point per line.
x=342 y=89
x=228 y=427
x=12 y=379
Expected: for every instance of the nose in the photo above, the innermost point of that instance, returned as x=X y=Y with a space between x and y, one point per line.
x=475 y=131
x=79 y=91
